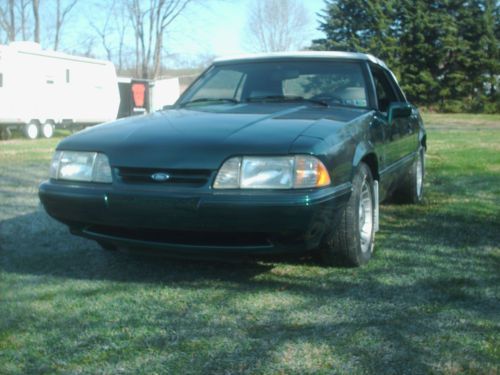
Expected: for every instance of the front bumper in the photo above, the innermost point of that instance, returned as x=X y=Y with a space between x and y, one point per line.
x=189 y=221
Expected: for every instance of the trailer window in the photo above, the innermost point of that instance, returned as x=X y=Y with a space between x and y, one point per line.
x=67 y=75
x=1 y=79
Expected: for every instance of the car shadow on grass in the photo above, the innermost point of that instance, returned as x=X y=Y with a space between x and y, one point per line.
x=451 y=256
x=432 y=283
x=36 y=244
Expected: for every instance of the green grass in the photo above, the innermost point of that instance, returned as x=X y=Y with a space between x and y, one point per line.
x=429 y=301
x=458 y=120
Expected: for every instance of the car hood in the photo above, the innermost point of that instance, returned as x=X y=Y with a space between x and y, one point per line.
x=204 y=137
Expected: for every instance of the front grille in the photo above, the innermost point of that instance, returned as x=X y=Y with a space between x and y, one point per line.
x=184 y=177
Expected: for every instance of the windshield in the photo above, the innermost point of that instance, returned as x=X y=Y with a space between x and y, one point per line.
x=316 y=82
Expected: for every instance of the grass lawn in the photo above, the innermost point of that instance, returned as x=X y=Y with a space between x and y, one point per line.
x=429 y=301
x=467 y=120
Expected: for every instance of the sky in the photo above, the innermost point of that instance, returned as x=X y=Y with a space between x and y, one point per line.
x=208 y=28
x=219 y=29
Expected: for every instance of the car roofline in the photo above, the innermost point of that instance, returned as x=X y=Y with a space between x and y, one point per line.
x=302 y=55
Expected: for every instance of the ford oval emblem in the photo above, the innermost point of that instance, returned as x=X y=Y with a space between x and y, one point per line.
x=160 y=177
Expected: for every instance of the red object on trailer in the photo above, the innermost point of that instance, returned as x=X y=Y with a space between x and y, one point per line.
x=138 y=91
x=134 y=96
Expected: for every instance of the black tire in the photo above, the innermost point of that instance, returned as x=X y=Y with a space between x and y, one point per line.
x=5 y=134
x=411 y=189
x=343 y=243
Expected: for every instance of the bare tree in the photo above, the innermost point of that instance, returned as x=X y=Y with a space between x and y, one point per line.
x=61 y=14
x=8 y=19
x=150 y=20
x=22 y=8
x=277 y=25
x=122 y=23
x=36 y=20
x=103 y=31
x=112 y=31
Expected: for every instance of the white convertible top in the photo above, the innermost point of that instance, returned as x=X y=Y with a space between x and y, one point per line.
x=303 y=54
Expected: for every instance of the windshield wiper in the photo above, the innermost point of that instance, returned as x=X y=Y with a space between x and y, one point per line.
x=285 y=98
x=211 y=100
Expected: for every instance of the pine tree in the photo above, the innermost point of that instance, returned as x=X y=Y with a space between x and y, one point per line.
x=359 y=26
x=419 y=59
x=491 y=45
x=446 y=52
x=452 y=55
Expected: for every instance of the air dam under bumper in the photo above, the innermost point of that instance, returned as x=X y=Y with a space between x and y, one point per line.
x=195 y=222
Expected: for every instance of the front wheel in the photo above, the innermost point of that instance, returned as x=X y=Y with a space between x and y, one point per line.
x=351 y=237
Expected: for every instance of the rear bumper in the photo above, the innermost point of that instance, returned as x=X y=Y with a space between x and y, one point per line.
x=183 y=221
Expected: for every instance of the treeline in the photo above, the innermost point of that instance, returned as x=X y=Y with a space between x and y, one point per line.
x=131 y=32
x=445 y=52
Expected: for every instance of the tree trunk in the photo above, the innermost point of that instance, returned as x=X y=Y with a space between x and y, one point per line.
x=120 y=51
x=157 y=55
x=23 y=19
x=12 y=16
x=36 y=16
x=58 y=25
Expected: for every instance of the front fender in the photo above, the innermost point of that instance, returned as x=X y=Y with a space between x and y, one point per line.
x=362 y=149
x=365 y=152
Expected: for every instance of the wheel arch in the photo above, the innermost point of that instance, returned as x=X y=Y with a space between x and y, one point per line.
x=372 y=162
x=366 y=154
x=423 y=140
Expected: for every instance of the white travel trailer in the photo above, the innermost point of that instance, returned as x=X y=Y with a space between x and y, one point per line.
x=43 y=89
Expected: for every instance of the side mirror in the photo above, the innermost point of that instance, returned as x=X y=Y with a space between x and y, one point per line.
x=398 y=110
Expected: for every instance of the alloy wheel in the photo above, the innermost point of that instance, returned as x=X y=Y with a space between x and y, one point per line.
x=365 y=217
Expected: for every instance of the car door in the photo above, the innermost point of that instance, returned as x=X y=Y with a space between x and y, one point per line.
x=408 y=126
x=397 y=131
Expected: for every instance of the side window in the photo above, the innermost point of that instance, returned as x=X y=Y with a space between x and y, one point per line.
x=383 y=88
x=395 y=86
x=222 y=85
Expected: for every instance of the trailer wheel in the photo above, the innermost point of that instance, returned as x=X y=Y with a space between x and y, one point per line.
x=31 y=130
x=48 y=129
x=5 y=134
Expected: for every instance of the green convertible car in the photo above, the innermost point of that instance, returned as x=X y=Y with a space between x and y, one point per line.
x=288 y=152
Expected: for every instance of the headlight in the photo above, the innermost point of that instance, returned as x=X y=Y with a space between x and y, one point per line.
x=80 y=166
x=284 y=172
